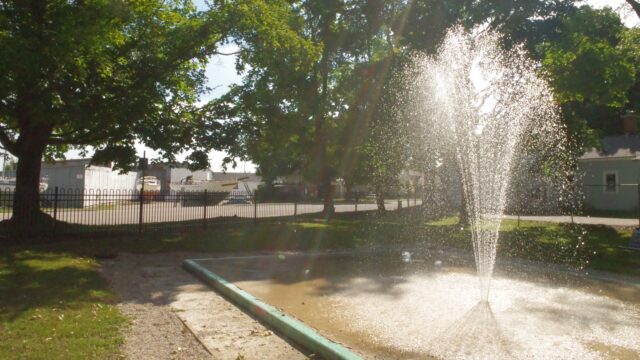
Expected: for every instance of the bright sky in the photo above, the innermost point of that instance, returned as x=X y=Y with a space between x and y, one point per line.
x=221 y=73
x=629 y=18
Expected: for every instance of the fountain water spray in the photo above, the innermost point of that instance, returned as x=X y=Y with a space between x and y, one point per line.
x=482 y=101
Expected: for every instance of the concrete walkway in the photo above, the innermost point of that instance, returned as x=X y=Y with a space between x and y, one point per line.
x=176 y=317
x=586 y=220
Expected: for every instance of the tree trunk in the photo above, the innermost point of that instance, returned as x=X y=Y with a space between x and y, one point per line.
x=429 y=202
x=380 y=200
x=27 y=217
x=463 y=209
x=464 y=212
x=327 y=196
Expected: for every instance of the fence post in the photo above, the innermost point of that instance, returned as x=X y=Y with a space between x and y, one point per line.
x=399 y=204
x=295 y=206
x=638 y=203
x=255 y=208
x=142 y=166
x=141 y=207
x=204 y=212
x=55 y=211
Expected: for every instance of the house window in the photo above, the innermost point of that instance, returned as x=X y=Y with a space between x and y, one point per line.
x=610 y=182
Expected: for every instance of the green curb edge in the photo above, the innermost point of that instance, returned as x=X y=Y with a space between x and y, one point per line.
x=291 y=328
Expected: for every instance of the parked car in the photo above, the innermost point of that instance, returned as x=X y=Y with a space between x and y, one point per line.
x=151 y=184
x=239 y=197
x=9 y=184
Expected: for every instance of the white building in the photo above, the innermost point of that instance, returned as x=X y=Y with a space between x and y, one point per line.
x=81 y=184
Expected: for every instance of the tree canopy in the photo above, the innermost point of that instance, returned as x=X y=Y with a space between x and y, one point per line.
x=305 y=119
x=108 y=74
x=590 y=62
x=318 y=86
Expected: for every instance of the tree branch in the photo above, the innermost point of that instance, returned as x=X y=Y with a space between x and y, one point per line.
x=635 y=5
x=7 y=142
x=227 y=54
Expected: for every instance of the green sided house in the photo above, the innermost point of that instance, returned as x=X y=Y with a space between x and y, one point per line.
x=611 y=174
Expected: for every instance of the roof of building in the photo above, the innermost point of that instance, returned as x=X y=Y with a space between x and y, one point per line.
x=73 y=163
x=615 y=147
x=237 y=176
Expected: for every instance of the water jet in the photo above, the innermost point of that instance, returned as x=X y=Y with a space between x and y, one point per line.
x=481 y=100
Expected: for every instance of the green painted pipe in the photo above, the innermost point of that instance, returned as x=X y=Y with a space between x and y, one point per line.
x=281 y=322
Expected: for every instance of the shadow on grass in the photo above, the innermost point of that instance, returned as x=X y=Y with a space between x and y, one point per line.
x=582 y=246
x=56 y=306
x=37 y=280
x=579 y=246
x=308 y=233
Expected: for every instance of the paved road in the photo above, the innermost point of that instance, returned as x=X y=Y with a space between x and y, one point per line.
x=587 y=220
x=164 y=212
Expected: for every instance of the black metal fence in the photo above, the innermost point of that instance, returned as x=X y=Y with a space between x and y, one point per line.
x=130 y=211
x=117 y=211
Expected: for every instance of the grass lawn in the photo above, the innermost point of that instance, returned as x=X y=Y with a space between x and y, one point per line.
x=585 y=246
x=55 y=304
x=589 y=246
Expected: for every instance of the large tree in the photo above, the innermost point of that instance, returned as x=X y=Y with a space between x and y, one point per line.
x=111 y=73
x=629 y=46
x=300 y=119
x=384 y=150
x=314 y=120
x=590 y=63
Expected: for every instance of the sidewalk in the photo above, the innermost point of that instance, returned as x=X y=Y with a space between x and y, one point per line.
x=586 y=220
